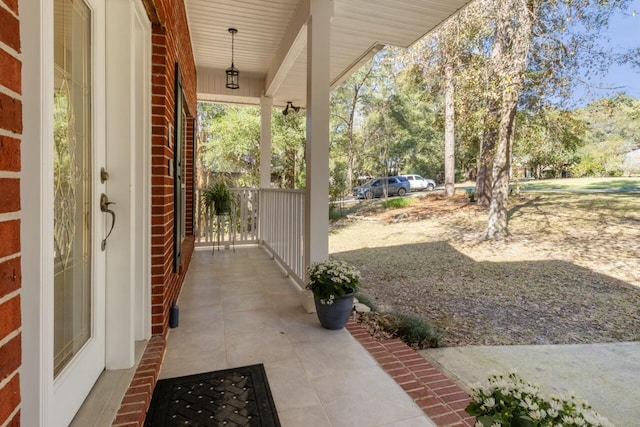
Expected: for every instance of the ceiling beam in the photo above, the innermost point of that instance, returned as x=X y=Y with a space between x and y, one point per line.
x=347 y=72
x=292 y=45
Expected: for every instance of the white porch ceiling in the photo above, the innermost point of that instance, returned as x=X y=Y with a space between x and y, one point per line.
x=266 y=39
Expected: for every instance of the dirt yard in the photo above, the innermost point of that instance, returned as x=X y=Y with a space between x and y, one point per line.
x=570 y=272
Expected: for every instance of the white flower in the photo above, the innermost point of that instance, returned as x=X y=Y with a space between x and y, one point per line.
x=537 y=414
x=578 y=421
x=527 y=403
x=490 y=402
x=556 y=404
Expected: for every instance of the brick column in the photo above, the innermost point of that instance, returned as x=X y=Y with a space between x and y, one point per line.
x=171 y=43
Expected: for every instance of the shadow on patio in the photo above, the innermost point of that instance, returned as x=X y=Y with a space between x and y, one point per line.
x=240 y=309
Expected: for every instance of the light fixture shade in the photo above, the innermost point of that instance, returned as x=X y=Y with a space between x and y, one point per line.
x=232 y=77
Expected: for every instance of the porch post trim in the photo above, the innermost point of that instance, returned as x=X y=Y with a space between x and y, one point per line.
x=266 y=104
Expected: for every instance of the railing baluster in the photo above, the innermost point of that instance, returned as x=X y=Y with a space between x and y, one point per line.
x=277 y=214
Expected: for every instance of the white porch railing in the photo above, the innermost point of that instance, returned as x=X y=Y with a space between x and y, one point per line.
x=272 y=217
x=282 y=228
x=241 y=227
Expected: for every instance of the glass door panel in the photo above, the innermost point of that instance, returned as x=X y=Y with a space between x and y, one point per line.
x=72 y=180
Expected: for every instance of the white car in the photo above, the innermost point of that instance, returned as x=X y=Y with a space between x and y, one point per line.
x=418 y=183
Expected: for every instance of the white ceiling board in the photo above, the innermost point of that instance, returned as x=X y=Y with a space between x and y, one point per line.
x=357 y=27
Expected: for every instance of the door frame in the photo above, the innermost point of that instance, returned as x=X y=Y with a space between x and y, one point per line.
x=128 y=80
x=36 y=230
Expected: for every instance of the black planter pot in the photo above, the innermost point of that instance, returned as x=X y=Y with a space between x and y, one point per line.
x=334 y=316
x=222 y=208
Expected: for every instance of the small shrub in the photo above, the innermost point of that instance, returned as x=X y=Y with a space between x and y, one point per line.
x=414 y=331
x=511 y=401
x=335 y=212
x=397 y=203
x=471 y=194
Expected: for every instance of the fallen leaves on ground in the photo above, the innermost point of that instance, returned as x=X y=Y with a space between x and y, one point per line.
x=568 y=274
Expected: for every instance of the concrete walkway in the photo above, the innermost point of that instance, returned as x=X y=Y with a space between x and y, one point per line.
x=607 y=376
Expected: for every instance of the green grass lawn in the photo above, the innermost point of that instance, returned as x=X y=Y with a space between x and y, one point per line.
x=605 y=183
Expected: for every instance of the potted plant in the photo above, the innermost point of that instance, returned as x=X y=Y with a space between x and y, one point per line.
x=333 y=284
x=217 y=194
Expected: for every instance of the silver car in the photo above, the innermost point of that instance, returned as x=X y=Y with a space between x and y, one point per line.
x=418 y=183
x=380 y=187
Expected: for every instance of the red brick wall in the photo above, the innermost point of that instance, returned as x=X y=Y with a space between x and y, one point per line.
x=10 y=272
x=171 y=43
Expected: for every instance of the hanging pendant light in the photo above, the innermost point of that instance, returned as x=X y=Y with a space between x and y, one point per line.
x=232 y=72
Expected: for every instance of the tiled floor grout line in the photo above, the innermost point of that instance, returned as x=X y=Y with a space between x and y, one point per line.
x=438 y=396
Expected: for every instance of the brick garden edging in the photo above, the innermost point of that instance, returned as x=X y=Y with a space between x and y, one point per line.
x=437 y=395
x=135 y=403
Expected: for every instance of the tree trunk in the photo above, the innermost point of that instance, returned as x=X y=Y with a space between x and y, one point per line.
x=484 y=178
x=349 y=177
x=449 y=132
x=509 y=66
x=202 y=181
x=497 y=226
x=484 y=182
x=351 y=151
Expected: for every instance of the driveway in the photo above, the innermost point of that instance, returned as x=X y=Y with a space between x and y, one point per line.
x=607 y=376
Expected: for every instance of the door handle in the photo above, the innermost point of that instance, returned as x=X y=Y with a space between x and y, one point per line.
x=104 y=207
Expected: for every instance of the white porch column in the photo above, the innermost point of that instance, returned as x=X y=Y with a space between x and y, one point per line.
x=266 y=104
x=316 y=239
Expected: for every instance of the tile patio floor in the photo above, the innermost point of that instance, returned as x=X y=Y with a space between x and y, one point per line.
x=239 y=309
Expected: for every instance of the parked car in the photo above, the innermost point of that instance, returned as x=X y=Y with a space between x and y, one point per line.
x=418 y=183
x=378 y=187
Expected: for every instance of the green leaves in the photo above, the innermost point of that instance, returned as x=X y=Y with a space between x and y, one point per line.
x=230 y=139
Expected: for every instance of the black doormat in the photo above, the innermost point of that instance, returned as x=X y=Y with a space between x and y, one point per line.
x=229 y=398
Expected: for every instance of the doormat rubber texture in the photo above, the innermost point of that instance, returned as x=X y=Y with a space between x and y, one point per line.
x=230 y=398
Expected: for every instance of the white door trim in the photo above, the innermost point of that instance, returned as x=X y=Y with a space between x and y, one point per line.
x=142 y=282
x=36 y=373
x=128 y=81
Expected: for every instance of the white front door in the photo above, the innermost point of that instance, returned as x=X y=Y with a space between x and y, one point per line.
x=79 y=224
